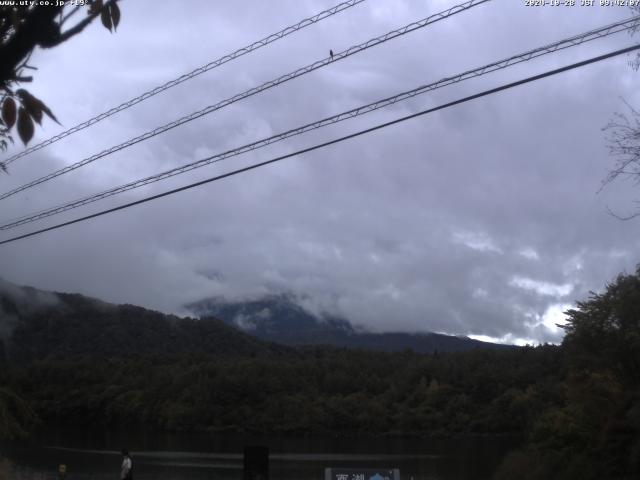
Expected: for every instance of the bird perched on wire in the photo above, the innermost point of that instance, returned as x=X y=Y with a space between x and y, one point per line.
x=331 y=54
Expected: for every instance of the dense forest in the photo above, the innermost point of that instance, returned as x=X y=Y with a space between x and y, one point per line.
x=316 y=391
x=576 y=406
x=594 y=431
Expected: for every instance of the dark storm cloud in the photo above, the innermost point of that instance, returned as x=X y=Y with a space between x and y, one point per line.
x=482 y=219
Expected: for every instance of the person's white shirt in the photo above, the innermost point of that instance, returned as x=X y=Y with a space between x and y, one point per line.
x=126 y=467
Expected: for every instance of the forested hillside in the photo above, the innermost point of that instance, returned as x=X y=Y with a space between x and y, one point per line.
x=338 y=392
x=593 y=431
x=279 y=318
x=71 y=358
x=576 y=406
x=69 y=326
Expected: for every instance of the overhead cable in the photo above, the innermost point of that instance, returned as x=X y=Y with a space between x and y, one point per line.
x=188 y=76
x=253 y=91
x=330 y=142
x=492 y=67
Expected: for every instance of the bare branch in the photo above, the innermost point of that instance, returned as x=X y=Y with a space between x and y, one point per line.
x=80 y=26
x=69 y=15
x=620 y=217
x=623 y=143
x=25 y=26
x=38 y=28
x=23 y=64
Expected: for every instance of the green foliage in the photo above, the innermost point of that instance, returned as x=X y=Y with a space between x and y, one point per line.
x=78 y=327
x=318 y=390
x=604 y=332
x=594 y=431
x=5 y=469
x=25 y=26
x=16 y=417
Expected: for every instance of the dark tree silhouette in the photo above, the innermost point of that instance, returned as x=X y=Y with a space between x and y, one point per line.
x=24 y=28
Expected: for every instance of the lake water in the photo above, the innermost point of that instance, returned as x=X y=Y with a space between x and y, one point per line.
x=161 y=456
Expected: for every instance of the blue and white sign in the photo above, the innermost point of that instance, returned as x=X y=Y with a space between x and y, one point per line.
x=361 y=474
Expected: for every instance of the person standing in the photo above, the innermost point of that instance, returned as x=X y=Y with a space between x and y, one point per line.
x=126 y=471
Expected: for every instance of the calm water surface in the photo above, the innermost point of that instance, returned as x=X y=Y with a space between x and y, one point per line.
x=161 y=456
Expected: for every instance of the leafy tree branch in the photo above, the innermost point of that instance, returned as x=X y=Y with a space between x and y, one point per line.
x=23 y=28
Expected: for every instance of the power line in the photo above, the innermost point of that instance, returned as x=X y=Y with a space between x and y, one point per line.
x=498 y=65
x=255 y=90
x=332 y=142
x=188 y=76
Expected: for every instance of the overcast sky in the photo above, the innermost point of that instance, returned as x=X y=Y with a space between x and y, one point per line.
x=482 y=219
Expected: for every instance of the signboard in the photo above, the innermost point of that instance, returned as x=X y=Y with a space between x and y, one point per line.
x=256 y=463
x=361 y=474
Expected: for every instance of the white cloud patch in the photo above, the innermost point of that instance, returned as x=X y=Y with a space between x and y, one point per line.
x=245 y=322
x=542 y=288
x=529 y=253
x=547 y=326
x=555 y=316
x=508 y=339
x=476 y=241
x=480 y=293
x=617 y=254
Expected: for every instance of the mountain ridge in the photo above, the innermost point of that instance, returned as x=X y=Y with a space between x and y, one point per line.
x=41 y=325
x=68 y=325
x=279 y=318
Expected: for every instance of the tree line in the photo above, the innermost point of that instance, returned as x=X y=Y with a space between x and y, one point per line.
x=576 y=406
